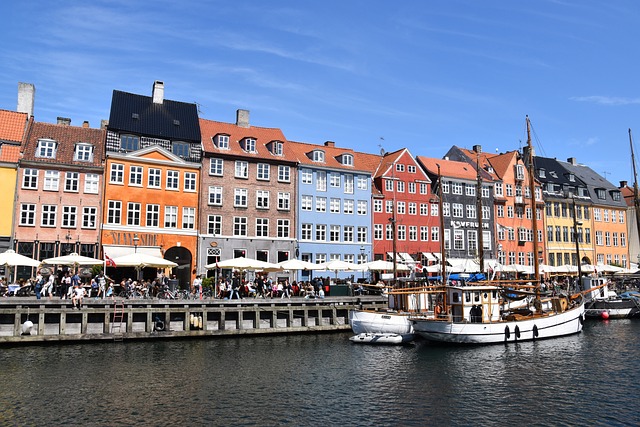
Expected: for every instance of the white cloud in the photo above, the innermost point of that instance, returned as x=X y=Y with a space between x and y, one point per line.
x=606 y=100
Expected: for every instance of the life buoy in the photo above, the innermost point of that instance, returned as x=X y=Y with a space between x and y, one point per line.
x=564 y=304
x=438 y=309
x=159 y=325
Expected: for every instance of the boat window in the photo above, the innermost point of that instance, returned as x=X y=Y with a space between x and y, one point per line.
x=467 y=296
x=494 y=294
x=476 y=296
x=485 y=296
x=455 y=297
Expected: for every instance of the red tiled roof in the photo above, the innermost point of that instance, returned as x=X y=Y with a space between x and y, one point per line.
x=66 y=136
x=361 y=161
x=9 y=153
x=449 y=168
x=12 y=126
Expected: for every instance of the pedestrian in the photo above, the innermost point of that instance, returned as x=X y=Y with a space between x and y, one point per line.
x=197 y=286
x=78 y=295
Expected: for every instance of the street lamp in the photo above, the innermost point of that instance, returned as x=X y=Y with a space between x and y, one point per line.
x=68 y=238
x=362 y=258
x=136 y=239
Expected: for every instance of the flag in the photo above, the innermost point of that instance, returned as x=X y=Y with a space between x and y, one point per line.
x=109 y=261
x=419 y=268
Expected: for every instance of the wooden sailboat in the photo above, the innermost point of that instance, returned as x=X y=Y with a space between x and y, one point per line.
x=472 y=314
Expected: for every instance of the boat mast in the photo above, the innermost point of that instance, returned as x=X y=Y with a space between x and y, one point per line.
x=575 y=237
x=636 y=202
x=532 y=188
x=443 y=267
x=479 y=213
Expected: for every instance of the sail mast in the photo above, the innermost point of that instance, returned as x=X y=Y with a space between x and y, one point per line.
x=479 y=214
x=636 y=202
x=532 y=188
x=443 y=264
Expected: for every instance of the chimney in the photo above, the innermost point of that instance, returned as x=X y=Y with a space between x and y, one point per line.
x=242 y=118
x=158 y=92
x=64 y=121
x=26 y=98
x=477 y=149
x=572 y=160
x=329 y=144
x=85 y=124
x=623 y=184
x=104 y=123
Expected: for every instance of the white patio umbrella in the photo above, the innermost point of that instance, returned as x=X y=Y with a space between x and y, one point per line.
x=72 y=259
x=608 y=268
x=382 y=265
x=10 y=259
x=142 y=260
x=338 y=265
x=296 y=264
x=242 y=263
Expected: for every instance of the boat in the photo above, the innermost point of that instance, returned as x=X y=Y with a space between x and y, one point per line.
x=382 y=338
x=474 y=314
x=603 y=303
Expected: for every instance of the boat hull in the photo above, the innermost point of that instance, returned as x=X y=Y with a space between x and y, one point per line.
x=616 y=308
x=380 y=322
x=538 y=327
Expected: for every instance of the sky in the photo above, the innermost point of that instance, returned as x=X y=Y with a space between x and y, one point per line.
x=369 y=75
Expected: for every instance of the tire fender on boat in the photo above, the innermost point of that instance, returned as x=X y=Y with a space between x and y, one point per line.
x=517 y=332
x=507 y=333
x=535 y=332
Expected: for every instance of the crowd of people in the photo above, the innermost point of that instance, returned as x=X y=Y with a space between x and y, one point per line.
x=234 y=287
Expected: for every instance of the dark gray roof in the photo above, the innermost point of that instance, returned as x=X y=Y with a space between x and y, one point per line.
x=596 y=182
x=173 y=120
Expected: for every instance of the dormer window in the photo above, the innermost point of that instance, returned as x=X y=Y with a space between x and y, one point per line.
x=276 y=148
x=601 y=193
x=615 y=195
x=250 y=145
x=572 y=177
x=542 y=173
x=47 y=148
x=317 y=156
x=83 y=152
x=129 y=142
x=347 y=159
x=180 y=149
x=221 y=141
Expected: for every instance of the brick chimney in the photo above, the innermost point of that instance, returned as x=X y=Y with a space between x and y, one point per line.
x=477 y=149
x=329 y=144
x=158 y=92
x=64 y=121
x=572 y=160
x=242 y=118
x=623 y=184
x=26 y=98
x=85 y=124
x=104 y=123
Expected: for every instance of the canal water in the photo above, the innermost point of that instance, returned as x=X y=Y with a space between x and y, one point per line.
x=321 y=380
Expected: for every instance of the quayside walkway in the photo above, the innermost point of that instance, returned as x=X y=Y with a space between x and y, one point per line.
x=28 y=320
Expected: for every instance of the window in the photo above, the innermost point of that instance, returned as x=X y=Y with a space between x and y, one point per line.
x=321 y=232
x=51 y=180
x=89 y=216
x=72 y=182
x=306 y=203
x=458 y=240
x=155 y=178
x=377 y=205
x=401 y=208
x=348 y=207
x=283 y=228
x=347 y=159
x=388 y=185
x=413 y=232
x=129 y=142
x=222 y=141
x=306 y=176
x=214 y=225
x=434 y=209
x=456 y=188
x=347 y=233
x=117 y=173
x=262 y=227
x=133 y=213
x=362 y=234
x=445 y=187
x=135 y=176
x=400 y=186
x=423 y=188
x=27 y=214
x=49 y=215
x=446 y=209
x=377 y=231
x=321 y=204
x=239 y=226
x=402 y=232
x=321 y=181
x=276 y=148
x=411 y=187
x=284 y=173
x=216 y=167
x=469 y=190
x=424 y=233
x=114 y=208
x=215 y=196
x=456 y=209
x=153 y=215
x=413 y=208
x=335 y=180
x=188 y=218
x=240 y=197
x=498 y=189
x=30 y=179
x=190 y=181
x=362 y=182
x=263 y=172
x=83 y=153
x=399 y=167
x=435 y=234
x=471 y=211
x=250 y=145
x=262 y=199
x=389 y=232
x=180 y=149
x=69 y=216
x=46 y=148
x=334 y=205
x=242 y=169
x=317 y=156
x=305 y=231
x=284 y=201
x=334 y=233
x=171 y=217
x=173 y=180
x=362 y=207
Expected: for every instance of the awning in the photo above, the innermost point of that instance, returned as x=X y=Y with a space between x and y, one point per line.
x=429 y=256
x=403 y=257
x=117 y=251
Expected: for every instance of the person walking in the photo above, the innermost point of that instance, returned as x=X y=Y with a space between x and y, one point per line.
x=197 y=287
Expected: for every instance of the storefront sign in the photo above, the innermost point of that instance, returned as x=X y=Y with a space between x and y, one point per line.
x=126 y=238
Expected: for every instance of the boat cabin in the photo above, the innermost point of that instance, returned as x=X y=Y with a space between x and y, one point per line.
x=597 y=286
x=475 y=304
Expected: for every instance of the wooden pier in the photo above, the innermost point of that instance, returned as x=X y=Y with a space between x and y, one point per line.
x=28 y=320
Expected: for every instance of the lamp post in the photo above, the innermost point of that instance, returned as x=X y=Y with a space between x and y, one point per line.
x=68 y=238
x=362 y=259
x=136 y=239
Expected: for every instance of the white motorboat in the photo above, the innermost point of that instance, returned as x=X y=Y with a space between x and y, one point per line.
x=603 y=303
x=388 y=339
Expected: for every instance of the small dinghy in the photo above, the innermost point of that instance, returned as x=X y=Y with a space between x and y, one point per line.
x=388 y=339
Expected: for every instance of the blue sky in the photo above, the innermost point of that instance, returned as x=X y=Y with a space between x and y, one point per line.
x=366 y=74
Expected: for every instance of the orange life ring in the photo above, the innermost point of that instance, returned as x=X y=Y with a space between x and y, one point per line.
x=438 y=309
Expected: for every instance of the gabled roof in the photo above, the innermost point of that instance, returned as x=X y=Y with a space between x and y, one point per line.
x=470 y=156
x=448 y=168
x=210 y=129
x=389 y=159
x=555 y=172
x=67 y=137
x=173 y=120
x=362 y=162
x=12 y=126
x=594 y=182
